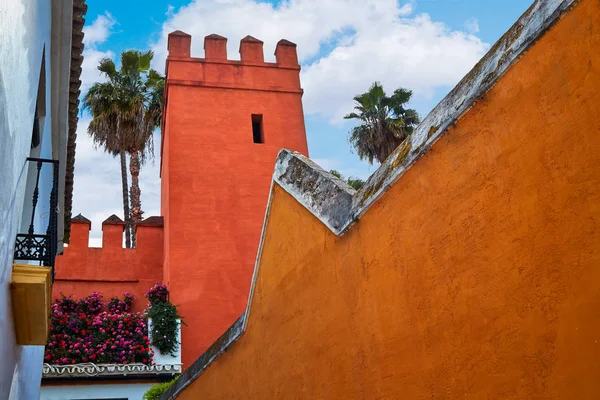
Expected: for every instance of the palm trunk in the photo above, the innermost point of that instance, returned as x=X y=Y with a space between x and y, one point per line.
x=125 y=199
x=135 y=194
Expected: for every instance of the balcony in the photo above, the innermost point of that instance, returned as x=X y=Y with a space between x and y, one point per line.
x=41 y=247
x=35 y=252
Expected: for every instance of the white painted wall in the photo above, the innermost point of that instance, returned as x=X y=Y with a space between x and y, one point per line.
x=166 y=359
x=129 y=391
x=25 y=35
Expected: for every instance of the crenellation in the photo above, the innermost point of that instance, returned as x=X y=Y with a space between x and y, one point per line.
x=215 y=50
x=215 y=47
x=111 y=269
x=285 y=53
x=80 y=231
x=179 y=44
x=251 y=50
x=112 y=232
x=251 y=72
x=149 y=233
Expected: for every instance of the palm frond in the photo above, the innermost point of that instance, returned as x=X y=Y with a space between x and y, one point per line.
x=107 y=67
x=130 y=62
x=145 y=59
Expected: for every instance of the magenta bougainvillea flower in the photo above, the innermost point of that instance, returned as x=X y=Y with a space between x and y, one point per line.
x=87 y=330
x=116 y=305
x=157 y=294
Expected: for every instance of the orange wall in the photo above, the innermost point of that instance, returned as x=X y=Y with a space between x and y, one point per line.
x=215 y=180
x=112 y=269
x=475 y=276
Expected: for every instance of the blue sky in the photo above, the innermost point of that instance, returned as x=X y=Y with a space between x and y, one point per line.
x=344 y=45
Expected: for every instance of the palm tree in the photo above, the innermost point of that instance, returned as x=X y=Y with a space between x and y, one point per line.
x=125 y=111
x=384 y=122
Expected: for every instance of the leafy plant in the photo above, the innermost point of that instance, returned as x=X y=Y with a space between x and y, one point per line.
x=164 y=320
x=158 y=390
x=384 y=122
x=164 y=327
x=354 y=183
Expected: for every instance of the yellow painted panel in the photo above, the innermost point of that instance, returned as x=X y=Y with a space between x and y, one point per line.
x=30 y=296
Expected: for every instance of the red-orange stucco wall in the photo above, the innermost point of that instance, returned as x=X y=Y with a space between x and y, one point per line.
x=111 y=270
x=475 y=276
x=215 y=179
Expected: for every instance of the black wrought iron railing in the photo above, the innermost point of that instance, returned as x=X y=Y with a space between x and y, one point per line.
x=36 y=246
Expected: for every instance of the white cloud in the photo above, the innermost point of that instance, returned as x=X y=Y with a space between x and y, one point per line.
x=415 y=53
x=344 y=45
x=95 y=34
x=472 y=25
x=308 y=23
x=90 y=73
x=99 y=30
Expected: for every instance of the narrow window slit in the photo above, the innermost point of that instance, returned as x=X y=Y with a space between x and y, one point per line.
x=257 y=128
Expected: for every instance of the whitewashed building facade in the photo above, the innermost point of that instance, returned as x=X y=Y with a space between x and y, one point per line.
x=40 y=64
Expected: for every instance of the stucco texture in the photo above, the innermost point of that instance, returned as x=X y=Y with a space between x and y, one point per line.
x=110 y=270
x=215 y=181
x=475 y=276
x=25 y=40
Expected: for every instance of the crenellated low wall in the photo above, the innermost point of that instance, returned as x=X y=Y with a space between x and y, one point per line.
x=111 y=269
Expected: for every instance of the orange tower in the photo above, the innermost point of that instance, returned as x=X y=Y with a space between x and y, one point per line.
x=224 y=123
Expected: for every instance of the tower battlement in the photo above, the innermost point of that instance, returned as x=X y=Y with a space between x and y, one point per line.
x=215 y=49
x=251 y=72
x=148 y=234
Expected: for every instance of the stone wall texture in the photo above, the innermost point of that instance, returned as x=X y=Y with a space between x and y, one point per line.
x=110 y=270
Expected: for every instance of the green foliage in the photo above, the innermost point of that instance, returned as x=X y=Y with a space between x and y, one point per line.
x=164 y=327
x=125 y=110
x=336 y=174
x=354 y=183
x=127 y=107
x=384 y=122
x=164 y=319
x=158 y=390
